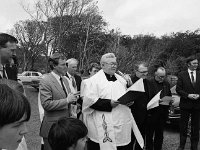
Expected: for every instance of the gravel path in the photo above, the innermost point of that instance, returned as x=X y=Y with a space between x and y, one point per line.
x=32 y=138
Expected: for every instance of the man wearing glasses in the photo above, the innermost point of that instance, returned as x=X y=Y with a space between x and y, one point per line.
x=109 y=123
x=157 y=116
x=139 y=108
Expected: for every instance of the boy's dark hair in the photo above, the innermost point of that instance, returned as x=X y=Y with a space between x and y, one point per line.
x=13 y=85
x=4 y=38
x=13 y=106
x=54 y=60
x=66 y=132
x=93 y=65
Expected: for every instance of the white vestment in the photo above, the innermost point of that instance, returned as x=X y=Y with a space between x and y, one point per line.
x=109 y=129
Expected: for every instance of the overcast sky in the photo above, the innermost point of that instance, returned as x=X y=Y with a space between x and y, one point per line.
x=132 y=17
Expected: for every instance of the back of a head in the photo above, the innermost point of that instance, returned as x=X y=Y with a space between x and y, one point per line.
x=14 y=105
x=66 y=132
x=13 y=85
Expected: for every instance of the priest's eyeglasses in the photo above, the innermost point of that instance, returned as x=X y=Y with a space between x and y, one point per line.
x=111 y=64
x=161 y=77
x=142 y=72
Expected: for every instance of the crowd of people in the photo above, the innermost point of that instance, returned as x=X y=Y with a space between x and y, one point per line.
x=107 y=111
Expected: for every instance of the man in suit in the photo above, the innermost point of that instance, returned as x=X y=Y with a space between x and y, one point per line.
x=188 y=87
x=139 y=108
x=74 y=83
x=74 y=79
x=55 y=95
x=157 y=116
x=8 y=46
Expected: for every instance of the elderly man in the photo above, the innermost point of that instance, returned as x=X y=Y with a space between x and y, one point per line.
x=109 y=123
x=73 y=78
x=55 y=96
x=157 y=116
x=74 y=84
x=188 y=87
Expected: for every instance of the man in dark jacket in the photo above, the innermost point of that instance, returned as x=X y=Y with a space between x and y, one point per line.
x=157 y=116
x=8 y=46
x=188 y=87
x=139 y=108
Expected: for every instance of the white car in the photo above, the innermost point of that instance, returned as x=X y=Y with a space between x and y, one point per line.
x=29 y=76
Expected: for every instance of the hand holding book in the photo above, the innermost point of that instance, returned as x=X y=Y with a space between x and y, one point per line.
x=166 y=100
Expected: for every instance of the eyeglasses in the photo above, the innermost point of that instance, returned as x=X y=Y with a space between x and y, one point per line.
x=111 y=64
x=143 y=72
x=161 y=77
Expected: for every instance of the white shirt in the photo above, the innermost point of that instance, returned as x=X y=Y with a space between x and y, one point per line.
x=1 y=71
x=194 y=74
x=74 y=90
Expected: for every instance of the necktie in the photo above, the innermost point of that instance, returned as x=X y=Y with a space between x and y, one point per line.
x=192 y=78
x=61 y=81
x=4 y=72
x=73 y=82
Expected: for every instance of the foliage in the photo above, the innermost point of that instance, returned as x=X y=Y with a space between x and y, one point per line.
x=77 y=29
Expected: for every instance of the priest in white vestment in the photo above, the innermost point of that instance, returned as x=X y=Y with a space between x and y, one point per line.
x=109 y=123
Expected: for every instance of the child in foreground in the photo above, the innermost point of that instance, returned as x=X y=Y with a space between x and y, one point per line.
x=68 y=134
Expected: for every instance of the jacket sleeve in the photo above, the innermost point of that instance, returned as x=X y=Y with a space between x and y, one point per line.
x=102 y=105
x=179 y=87
x=47 y=101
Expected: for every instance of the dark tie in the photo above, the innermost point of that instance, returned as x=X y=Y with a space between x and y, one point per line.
x=4 y=72
x=192 y=78
x=73 y=82
x=61 y=81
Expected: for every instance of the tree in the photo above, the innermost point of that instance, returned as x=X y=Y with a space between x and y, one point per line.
x=29 y=37
x=63 y=19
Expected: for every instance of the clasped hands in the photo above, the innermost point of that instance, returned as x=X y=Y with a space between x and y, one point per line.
x=193 y=96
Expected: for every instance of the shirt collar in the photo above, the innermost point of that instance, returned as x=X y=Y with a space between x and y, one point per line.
x=69 y=75
x=55 y=75
x=189 y=71
x=110 y=77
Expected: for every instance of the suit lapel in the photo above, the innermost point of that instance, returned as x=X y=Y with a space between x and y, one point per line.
x=197 y=78
x=57 y=85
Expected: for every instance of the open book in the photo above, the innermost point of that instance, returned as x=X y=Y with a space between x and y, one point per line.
x=129 y=97
x=133 y=93
x=155 y=101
